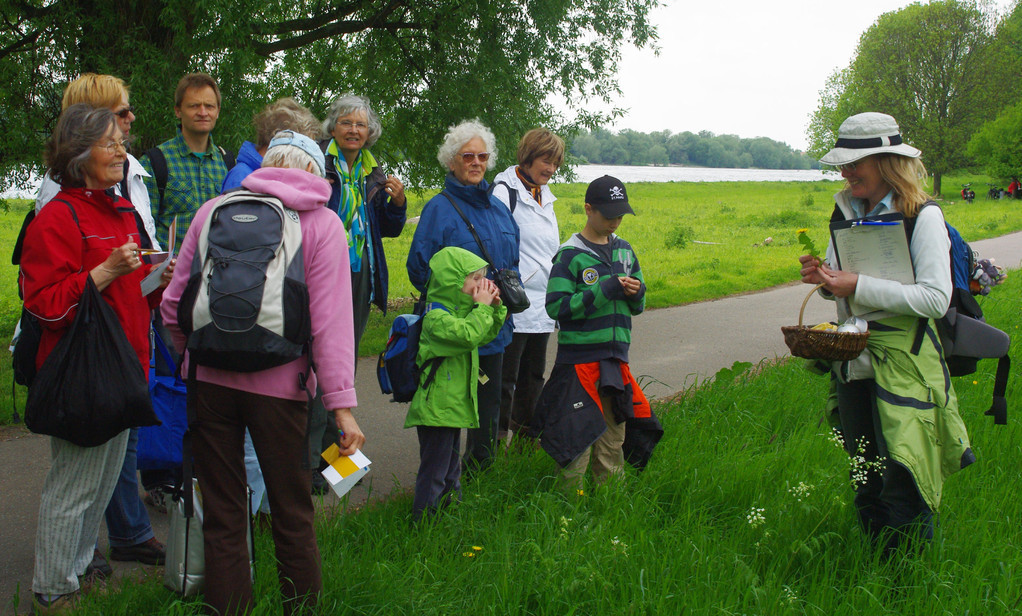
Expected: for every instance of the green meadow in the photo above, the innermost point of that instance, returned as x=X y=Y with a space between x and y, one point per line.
x=695 y=241
x=745 y=508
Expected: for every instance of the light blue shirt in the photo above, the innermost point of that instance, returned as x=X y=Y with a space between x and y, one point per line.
x=886 y=206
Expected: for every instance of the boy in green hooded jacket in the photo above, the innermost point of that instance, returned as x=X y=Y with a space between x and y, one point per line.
x=469 y=315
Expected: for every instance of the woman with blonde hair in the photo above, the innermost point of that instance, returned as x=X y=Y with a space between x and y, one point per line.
x=896 y=408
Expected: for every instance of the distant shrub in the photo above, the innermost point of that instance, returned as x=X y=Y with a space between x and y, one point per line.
x=727 y=209
x=678 y=237
x=787 y=219
x=807 y=200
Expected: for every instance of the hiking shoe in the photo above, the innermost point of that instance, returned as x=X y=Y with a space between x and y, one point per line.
x=149 y=552
x=57 y=605
x=92 y=581
x=99 y=564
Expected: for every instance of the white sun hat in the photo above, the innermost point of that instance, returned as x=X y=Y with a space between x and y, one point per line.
x=865 y=134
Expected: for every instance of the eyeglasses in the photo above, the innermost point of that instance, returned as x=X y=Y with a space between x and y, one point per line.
x=846 y=167
x=113 y=146
x=468 y=157
x=348 y=125
x=124 y=113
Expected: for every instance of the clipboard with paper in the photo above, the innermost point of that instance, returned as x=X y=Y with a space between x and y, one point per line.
x=874 y=246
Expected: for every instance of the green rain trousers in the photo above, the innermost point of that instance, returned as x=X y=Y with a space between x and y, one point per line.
x=917 y=404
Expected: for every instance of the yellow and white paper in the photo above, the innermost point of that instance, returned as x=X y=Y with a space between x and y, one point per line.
x=344 y=471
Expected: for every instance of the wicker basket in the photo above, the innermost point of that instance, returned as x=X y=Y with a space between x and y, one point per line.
x=803 y=341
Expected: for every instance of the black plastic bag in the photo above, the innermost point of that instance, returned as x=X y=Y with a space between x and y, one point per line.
x=91 y=387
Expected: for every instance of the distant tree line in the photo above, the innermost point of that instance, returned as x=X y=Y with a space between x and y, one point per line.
x=702 y=149
x=947 y=71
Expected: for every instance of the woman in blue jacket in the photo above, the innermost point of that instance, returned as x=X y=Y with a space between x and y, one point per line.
x=468 y=150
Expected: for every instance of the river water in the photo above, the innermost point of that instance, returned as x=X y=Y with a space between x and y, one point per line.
x=626 y=173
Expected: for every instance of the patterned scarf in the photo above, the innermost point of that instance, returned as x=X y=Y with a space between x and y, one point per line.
x=351 y=206
x=534 y=188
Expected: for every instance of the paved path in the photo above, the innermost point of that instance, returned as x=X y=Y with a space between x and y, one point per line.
x=674 y=347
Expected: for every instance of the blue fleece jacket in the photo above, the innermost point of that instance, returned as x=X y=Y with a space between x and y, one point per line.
x=249 y=159
x=440 y=226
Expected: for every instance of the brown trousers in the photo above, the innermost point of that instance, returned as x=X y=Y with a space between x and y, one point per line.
x=278 y=428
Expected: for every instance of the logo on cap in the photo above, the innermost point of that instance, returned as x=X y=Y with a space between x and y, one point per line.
x=616 y=193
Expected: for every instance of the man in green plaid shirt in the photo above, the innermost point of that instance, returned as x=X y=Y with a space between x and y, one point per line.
x=195 y=165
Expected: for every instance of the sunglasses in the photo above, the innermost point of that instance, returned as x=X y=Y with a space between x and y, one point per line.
x=846 y=167
x=123 y=113
x=468 y=157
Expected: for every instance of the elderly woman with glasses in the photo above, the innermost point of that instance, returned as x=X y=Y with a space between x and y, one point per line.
x=468 y=150
x=129 y=529
x=84 y=232
x=372 y=206
x=894 y=405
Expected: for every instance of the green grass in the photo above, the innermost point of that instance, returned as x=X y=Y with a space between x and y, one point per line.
x=744 y=509
x=673 y=218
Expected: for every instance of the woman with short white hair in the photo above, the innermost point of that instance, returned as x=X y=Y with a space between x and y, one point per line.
x=468 y=150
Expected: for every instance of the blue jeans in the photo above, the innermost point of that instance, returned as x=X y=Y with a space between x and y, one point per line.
x=127 y=521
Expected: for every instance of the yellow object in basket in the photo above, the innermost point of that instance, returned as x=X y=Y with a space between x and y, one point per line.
x=830 y=327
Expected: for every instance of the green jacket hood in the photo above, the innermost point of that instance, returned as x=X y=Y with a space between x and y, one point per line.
x=448 y=269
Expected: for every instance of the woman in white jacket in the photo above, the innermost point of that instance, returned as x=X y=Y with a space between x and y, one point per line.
x=524 y=188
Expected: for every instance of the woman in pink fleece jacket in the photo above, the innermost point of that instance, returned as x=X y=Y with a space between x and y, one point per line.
x=270 y=403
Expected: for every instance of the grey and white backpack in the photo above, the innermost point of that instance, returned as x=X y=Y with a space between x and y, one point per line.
x=246 y=305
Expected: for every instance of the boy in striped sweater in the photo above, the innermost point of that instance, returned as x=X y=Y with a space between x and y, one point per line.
x=595 y=287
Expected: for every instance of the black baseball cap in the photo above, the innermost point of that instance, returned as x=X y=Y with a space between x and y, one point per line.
x=607 y=194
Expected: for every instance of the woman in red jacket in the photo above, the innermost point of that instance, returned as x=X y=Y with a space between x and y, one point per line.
x=83 y=232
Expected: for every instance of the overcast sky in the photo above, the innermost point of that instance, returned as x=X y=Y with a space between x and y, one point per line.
x=746 y=67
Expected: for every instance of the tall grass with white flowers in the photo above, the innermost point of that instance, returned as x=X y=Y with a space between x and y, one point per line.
x=745 y=508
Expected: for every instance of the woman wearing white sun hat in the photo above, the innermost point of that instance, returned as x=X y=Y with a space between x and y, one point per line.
x=894 y=404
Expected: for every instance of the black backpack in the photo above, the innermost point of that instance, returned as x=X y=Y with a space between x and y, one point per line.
x=246 y=305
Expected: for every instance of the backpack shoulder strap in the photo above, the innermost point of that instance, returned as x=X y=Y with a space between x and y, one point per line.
x=910 y=223
x=158 y=160
x=16 y=255
x=431 y=365
x=512 y=195
x=471 y=229
x=228 y=157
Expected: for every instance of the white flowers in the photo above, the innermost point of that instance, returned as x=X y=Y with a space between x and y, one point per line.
x=619 y=546
x=564 y=526
x=800 y=491
x=755 y=517
x=860 y=467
